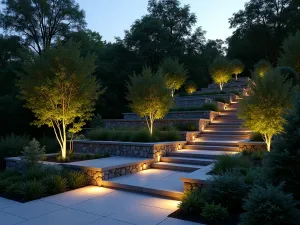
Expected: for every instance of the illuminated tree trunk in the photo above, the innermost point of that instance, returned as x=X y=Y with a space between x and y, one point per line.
x=221 y=86
x=268 y=139
x=172 y=92
x=236 y=76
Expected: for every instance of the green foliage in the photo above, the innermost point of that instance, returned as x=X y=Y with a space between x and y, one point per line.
x=9 y=173
x=190 y=87
x=256 y=176
x=186 y=127
x=13 y=190
x=290 y=74
x=174 y=74
x=237 y=67
x=256 y=137
x=50 y=143
x=192 y=202
x=262 y=67
x=290 y=55
x=283 y=162
x=48 y=21
x=221 y=71
x=148 y=96
x=227 y=190
x=4 y=183
x=214 y=212
x=227 y=163
x=55 y=184
x=262 y=111
x=11 y=145
x=270 y=205
x=64 y=97
x=133 y=136
x=35 y=172
x=97 y=121
x=221 y=99
x=33 y=153
x=76 y=179
x=32 y=189
x=207 y=106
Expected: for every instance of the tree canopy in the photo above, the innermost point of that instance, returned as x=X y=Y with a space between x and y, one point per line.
x=60 y=90
x=264 y=109
x=262 y=67
x=148 y=96
x=174 y=73
x=237 y=67
x=221 y=71
x=39 y=23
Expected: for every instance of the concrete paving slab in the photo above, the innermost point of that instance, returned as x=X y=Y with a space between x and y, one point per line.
x=109 y=221
x=32 y=209
x=8 y=219
x=4 y=203
x=64 y=216
x=143 y=215
x=76 y=196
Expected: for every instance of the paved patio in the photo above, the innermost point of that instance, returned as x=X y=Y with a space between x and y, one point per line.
x=91 y=206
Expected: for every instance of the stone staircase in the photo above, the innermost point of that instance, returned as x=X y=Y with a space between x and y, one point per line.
x=219 y=137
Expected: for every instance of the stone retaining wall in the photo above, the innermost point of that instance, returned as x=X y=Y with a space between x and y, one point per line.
x=95 y=175
x=120 y=123
x=128 y=149
x=228 y=97
x=251 y=146
x=205 y=114
x=190 y=101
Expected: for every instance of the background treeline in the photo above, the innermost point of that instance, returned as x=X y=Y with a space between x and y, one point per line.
x=167 y=30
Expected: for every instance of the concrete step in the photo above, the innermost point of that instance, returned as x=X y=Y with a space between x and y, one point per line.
x=155 y=182
x=203 y=154
x=224 y=126
x=225 y=122
x=223 y=136
x=221 y=139
x=213 y=143
x=212 y=147
x=176 y=166
x=196 y=161
x=225 y=132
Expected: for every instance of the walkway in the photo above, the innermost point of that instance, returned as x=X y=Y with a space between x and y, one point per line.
x=91 y=206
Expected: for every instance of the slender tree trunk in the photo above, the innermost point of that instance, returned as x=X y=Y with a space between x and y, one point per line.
x=172 y=92
x=64 y=141
x=221 y=86
x=151 y=127
x=236 y=76
x=268 y=140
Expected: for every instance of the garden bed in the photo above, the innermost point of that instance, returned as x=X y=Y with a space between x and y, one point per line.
x=74 y=157
x=179 y=214
x=39 y=181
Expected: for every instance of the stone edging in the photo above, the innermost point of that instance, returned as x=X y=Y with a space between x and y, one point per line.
x=251 y=145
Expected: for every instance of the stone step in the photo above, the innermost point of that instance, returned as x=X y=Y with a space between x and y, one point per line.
x=155 y=182
x=222 y=136
x=196 y=161
x=224 y=126
x=211 y=147
x=176 y=166
x=224 y=123
x=214 y=143
x=220 y=139
x=225 y=132
x=203 y=154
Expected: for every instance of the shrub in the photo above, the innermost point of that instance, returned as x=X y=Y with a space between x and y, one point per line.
x=13 y=190
x=214 y=212
x=55 y=184
x=228 y=190
x=227 y=163
x=33 y=153
x=35 y=172
x=76 y=179
x=269 y=205
x=256 y=176
x=192 y=202
x=9 y=173
x=221 y=99
x=11 y=145
x=141 y=135
x=186 y=127
x=32 y=189
x=190 y=87
x=4 y=184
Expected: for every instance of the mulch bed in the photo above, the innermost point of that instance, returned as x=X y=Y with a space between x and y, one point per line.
x=179 y=214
